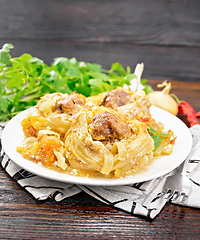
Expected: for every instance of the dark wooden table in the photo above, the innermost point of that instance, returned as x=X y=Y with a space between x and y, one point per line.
x=82 y=217
x=165 y=36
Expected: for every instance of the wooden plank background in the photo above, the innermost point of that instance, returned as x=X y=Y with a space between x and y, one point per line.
x=165 y=35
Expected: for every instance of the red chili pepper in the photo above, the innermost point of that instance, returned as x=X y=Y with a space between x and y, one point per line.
x=198 y=114
x=186 y=109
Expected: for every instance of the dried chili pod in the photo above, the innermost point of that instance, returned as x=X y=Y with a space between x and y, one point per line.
x=186 y=109
x=198 y=114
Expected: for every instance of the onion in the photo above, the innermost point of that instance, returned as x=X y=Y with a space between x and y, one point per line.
x=162 y=99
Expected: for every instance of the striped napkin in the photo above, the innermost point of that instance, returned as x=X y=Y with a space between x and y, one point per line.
x=181 y=186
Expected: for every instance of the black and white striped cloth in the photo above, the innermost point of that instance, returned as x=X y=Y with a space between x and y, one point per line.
x=181 y=186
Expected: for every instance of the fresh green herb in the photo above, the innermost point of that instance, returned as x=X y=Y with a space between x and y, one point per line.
x=157 y=137
x=24 y=79
x=147 y=88
x=4 y=54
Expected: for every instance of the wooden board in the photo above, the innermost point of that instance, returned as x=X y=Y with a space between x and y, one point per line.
x=163 y=34
x=174 y=63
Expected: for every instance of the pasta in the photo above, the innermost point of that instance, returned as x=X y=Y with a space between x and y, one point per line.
x=103 y=136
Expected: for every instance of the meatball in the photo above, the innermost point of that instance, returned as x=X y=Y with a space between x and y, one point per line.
x=107 y=125
x=115 y=98
x=70 y=104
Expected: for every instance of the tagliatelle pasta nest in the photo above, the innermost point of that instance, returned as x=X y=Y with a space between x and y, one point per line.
x=101 y=136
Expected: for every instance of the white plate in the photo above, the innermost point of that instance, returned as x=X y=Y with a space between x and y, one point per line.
x=12 y=137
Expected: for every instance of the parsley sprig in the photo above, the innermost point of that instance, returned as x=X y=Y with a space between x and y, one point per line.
x=24 y=79
x=157 y=137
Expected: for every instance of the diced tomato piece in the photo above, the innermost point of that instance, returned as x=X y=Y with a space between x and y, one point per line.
x=47 y=145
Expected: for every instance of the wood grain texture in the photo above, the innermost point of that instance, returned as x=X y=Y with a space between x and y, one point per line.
x=174 y=63
x=163 y=34
x=83 y=217
x=141 y=21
